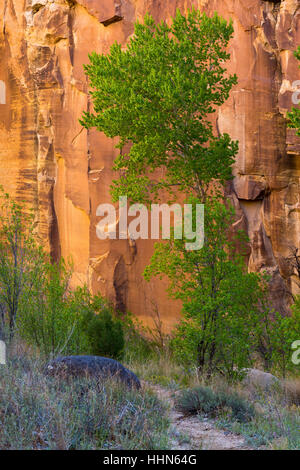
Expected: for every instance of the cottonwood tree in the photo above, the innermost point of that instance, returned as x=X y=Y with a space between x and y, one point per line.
x=219 y=297
x=158 y=96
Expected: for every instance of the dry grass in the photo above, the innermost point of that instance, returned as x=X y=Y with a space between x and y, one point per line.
x=41 y=412
x=158 y=369
x=292 y=391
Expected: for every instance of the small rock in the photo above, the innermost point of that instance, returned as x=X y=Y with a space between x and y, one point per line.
x=259 y=379
x=94 y=366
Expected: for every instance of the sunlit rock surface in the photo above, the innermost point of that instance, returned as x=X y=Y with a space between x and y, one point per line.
x=47 y=159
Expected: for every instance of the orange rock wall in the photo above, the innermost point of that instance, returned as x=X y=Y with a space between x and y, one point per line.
x=47 y=159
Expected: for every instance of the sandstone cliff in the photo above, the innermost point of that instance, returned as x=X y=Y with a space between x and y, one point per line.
x=65 y=172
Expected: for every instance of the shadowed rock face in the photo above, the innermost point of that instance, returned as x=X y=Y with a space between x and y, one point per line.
x=94 y=366
x=65 y=172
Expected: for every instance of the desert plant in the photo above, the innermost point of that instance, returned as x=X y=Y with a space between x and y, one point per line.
x=241 y=410
x=212 y=403
x=139 y=347
x=99 y=323
x=196 y=400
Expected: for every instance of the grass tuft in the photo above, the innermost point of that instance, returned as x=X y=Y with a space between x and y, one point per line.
x=203 y=400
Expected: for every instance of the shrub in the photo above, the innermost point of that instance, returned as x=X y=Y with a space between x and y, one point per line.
x=57 y=320
x=48 y=319
x=105 y=335
x=139 y=347
x=204 y=400
x=103 y=329
x=196 y=400
x=273 y=336
x=240 y=410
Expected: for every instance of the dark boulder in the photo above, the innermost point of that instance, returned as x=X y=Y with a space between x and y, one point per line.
x=94 y=366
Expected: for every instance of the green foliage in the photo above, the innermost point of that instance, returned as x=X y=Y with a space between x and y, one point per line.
x=106 y=335
x=274 y=335
x=49 y=319
x=204 y=400
x=21 y=260
x=104 y=331
x=219 y=297
x=58 y=320
x=35 y=295
x=158 y=95
x=294 y=115
x=196 y=400
x=139 y=347
x=241 y=410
